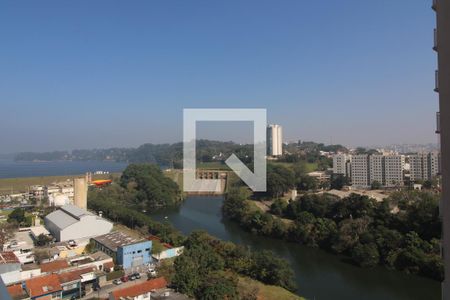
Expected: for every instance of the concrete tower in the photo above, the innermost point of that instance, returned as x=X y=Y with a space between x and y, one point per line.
x=80 y=192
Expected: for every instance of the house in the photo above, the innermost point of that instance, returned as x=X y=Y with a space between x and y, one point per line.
x=96 y=260
x=29 y=271
x=16 y=292
x=73 y=281
x=71 y=223
x=44 y=287
x=140 y=291
x=9 y=267
x=127 y=251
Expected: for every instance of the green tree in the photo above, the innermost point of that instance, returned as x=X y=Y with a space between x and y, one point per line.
x=375 y=185
x=366 y=255
x=43 y=240
x=338 y=181
x=306 y=183
x=17 y=215
x=219 y=285
x=271 y=269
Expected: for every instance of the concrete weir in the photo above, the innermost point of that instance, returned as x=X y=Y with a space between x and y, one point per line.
x=218 y=186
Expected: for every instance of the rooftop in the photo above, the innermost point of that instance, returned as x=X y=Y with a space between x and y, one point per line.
x=38 y=230
x=67 y=215
x=16 y=291
x=140 y=288
x=28 y=267
x=54 y=266
x=22 y=240
x=43 y=285
x=8 y=258
x=116 y=239
x=74 y=274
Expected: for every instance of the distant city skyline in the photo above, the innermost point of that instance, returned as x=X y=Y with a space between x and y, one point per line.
x=107 y=74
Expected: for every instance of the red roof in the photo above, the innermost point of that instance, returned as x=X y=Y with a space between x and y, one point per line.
x=140 y=288
x=8 y=258
x=54 y=266
x=153 y=238
x=108 y=265
x=15 y=291
x=73 y=275
x=43 y=285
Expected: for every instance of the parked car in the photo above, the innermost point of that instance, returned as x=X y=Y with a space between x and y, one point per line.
x=117 y=281
x=132 y=277
x=137 y=275
x=152 y=272
x=124 y=279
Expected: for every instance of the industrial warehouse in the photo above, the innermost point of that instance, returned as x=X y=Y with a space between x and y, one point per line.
x=70 y=223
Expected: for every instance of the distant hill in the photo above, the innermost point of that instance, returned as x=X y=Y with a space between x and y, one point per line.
x=163 y=154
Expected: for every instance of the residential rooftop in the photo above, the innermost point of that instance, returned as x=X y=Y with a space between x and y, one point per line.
x=74 y=275
x=140 y=288
x=54 y=266
x=42 y=285
x=8 y=258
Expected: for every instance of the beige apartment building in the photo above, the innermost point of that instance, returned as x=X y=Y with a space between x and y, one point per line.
x=424 y=166
x=366 y=169
x=360 y=169
x=341 y=164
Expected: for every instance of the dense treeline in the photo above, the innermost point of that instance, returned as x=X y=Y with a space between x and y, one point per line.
x=170 y=155
x=402 y=232
x=115 y=209
x=310 y=152
x=149 y=186
x=208 y=267
x=143 y=187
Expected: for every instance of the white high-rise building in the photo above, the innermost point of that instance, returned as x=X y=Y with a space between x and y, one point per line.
x=274 y=140
x=424 y=166
x=341 y=164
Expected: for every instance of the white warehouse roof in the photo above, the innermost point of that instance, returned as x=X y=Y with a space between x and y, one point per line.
x=67 y=215
x=71 y=222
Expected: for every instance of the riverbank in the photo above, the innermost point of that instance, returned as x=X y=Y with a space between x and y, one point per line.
x=364 y=230
x=318 y=274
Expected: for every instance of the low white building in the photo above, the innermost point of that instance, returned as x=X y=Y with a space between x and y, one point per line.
x=9 y=267
x=71 y=223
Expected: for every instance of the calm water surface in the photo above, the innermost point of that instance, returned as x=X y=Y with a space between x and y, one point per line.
x=12 y=169
x=319 y=275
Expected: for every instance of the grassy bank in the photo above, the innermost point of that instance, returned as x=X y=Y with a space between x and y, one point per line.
x=267 y=292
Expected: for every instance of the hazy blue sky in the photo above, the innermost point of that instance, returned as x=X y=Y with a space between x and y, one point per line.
x=84 y=74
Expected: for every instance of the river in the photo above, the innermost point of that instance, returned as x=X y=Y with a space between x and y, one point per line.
x=319 y=275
